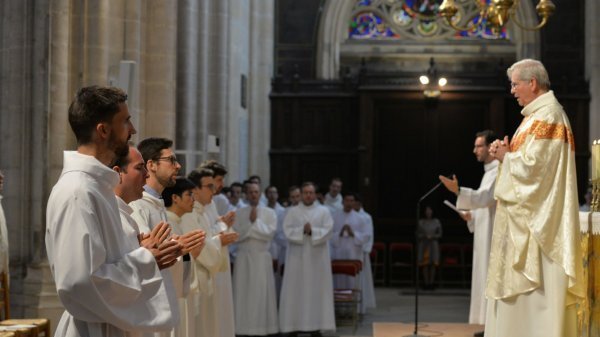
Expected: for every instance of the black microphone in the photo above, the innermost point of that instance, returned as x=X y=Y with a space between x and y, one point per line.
x=416 y=328
x=432 y=190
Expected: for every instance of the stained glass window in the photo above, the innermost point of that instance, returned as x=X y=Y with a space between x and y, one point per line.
x=417 y=19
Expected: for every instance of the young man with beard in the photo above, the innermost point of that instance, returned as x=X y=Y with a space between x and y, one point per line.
x=106 y=288
x=480 y=209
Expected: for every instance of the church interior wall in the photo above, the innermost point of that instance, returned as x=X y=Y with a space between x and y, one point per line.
x=380 y=72
x=184 y=61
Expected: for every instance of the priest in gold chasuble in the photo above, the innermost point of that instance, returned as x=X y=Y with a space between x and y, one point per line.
x=535 y=269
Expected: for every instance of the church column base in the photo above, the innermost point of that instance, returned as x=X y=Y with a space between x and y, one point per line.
x=39 y=294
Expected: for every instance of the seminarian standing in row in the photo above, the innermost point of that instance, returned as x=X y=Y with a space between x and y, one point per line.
x=107 y=287
x=255 y=301
x=306 y=302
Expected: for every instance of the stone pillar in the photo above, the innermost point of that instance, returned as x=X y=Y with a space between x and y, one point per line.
x=188 y=51
x=159 y=63
x=134 y=12
x=592 y=63
x=217 y=75
x=261 y=66
x=237 y=123
x=187 y=73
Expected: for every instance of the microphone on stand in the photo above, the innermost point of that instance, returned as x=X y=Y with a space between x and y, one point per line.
x=415 y=333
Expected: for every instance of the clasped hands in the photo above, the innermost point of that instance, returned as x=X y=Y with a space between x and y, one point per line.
x=307 y=229
x=347 y=229
x=167 y=247
x=499 y=148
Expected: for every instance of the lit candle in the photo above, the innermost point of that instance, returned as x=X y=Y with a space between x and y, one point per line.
x=595 y=159
x=593 y=175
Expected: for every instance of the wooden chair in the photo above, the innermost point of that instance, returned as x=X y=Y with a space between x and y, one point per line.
x=35 y=326
x=378 y=261
x=402 y=260
x=347 y=300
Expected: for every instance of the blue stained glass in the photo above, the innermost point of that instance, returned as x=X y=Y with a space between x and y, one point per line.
x=367 y=25
x=422 y=7
x=483 y=31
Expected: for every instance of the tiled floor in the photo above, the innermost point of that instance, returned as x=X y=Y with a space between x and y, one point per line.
x=397 y=305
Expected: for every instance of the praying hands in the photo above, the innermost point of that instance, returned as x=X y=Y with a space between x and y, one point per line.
x=499 y=148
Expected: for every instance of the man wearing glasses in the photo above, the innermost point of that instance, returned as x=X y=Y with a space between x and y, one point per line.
x=149 y=211
x=535 y=273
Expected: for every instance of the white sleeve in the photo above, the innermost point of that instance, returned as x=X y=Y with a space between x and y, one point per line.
x=128 y=293
x=323 y=230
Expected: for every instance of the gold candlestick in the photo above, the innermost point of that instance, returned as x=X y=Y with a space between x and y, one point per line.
x=595 y=204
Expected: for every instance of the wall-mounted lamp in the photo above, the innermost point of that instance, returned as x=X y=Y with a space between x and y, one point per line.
x=428 y=81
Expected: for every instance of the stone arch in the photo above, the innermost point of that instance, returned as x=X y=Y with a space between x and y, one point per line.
x=333 y=24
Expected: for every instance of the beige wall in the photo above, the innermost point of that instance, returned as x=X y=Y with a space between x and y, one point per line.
x=189 y=56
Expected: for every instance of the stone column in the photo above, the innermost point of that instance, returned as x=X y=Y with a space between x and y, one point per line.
x=134 y=12
x=592 y=64
x=261 y=66
x=159 y=64
x=188 y=33
x=217 y=75
x=237 y=124
x=23 y=67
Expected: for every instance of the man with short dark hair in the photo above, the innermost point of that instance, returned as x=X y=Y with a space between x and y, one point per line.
x=179 y=199
x=349 y=235
x=366 y=276
x=235 y=198
x=212 y=260
x=132 y=177
x=222 y=225
x=106 y=288
x=480 y=208
x=163 y=167
x=333 y=198
x=294 y=195
x=307 y=291
x=277 y=248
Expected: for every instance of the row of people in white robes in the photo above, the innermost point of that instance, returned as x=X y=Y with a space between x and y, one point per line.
x=353 y=240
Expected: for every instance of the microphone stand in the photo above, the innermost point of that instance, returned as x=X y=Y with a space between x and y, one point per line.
x=415 y=334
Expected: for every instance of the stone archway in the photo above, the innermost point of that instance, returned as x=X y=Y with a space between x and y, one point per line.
x=332 y=39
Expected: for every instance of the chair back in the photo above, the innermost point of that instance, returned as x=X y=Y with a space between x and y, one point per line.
x=346 y=267
x=5 y=300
